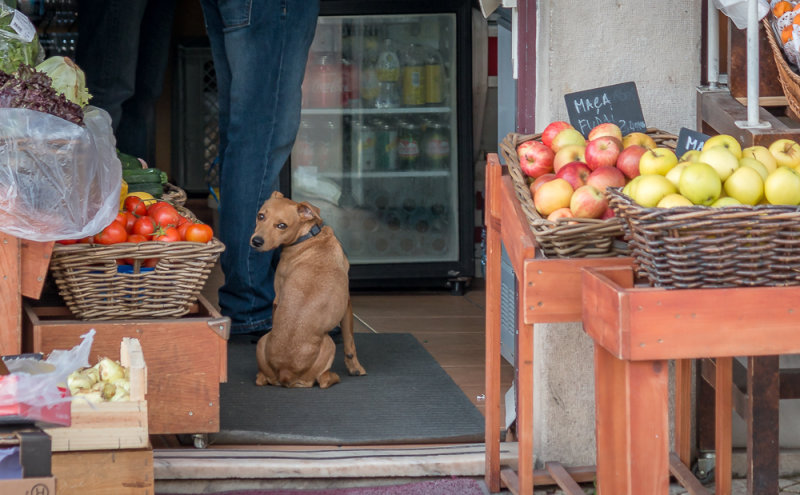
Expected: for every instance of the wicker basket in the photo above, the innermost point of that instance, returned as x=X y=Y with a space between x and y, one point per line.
x=702 y=247
x=790 y=81
x=174 y=195
x=89 y=279
x=573 y=237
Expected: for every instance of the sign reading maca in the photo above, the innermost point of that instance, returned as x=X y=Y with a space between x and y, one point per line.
x=618 y=103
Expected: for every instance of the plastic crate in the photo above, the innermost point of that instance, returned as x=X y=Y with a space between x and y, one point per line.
x=195 y=118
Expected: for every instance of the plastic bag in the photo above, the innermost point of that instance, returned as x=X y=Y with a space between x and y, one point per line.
x=737 y=10
x=58 y=180
x=19 y=43
x=43 y=389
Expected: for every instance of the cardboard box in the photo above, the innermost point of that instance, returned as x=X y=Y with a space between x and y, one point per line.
x=29 y=486
x=34 y=458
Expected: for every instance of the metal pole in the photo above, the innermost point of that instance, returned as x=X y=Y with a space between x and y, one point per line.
x=753 y=104
x=713 y=45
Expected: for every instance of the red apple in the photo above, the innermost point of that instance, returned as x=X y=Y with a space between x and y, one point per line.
x=588 y=202
x=569 y=153
x=560 y=213
x=551 y=196
x=575 y=173
x=602 y=152
x=609 y=213
x=535 y=158
x=552 y=129
x=628 y=160
x=606 y=129
x=537 y=183
x=604 y=177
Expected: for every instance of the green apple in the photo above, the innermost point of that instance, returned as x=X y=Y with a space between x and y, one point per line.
x=690 y=156
x=630 y=188
x=746 y=185
x=700 y=183
x=674 y=175
x=657 y=161
x=762 y=154
x=782 y=187
x=566 y=137
x=651 y=189
x=756 y=165
x=672 y=200
x=725 y=201
x=725 y=140
x=786 y=152
x=721 y=158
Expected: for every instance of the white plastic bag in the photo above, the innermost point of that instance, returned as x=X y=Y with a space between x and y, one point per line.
x=58 y=180
x=736 y=10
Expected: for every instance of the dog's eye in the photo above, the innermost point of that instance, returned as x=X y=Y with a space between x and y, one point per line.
x=261 y=217
x=281 y=226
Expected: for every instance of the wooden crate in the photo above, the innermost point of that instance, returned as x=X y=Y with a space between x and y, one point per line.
x=186 y=358
x=110 y=425
x=103 y=472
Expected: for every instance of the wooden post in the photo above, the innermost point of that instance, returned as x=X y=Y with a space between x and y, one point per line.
x=10 y=295
x=723 y=425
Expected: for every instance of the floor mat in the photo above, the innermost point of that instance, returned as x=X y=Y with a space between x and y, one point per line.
x=406 y=397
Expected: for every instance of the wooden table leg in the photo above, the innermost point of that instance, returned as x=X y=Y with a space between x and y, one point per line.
x=763 y=399
x=10 y=295
x=683 y=410
x=632 y=425
x=723 y=399
x=525 y=404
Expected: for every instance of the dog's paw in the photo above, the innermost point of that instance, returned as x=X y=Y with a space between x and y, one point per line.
x=355 y=369
x=261 y=379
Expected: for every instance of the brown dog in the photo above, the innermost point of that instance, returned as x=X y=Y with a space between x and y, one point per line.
x=312 y=296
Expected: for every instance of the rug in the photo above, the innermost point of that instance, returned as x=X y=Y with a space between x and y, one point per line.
x=406 y=397
x=447 y=486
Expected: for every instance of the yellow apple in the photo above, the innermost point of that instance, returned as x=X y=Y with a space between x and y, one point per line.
x=674 y=175
x=700 y=183
x=673 y=200
x=651 y=189
x=725 y=140
x=566 y=137
x=782 y=187
x=786 y=152
x=657 y=161
x=630 y=188
x=551 y=196
x=746 y=185
x=756 y=165
x=721 y=158
x=762 y=154
x=569 y=153
x=639 y=138
x=725 y=201
x=690 y=156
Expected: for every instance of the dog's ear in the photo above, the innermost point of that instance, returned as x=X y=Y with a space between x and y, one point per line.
x=307 y=211
x=276 y=194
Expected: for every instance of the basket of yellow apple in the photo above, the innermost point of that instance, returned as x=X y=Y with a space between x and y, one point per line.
x=561 y=177
x=720 y=217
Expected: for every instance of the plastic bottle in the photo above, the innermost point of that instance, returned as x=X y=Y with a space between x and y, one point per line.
x=413 y=76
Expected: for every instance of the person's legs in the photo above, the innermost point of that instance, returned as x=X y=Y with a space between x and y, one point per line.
x=107 y=51
x=265 y=49
x=136 y=131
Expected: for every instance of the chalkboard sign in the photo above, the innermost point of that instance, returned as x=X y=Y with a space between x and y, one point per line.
x=618 y=103
x=690 y=140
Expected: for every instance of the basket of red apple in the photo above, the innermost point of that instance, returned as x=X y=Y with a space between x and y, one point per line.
x=561 y=178
x=720 y=217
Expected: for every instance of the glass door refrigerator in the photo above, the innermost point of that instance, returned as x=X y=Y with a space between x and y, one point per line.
x=384 y=146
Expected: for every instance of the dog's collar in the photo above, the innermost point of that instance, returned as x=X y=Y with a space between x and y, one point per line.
x=315 y=229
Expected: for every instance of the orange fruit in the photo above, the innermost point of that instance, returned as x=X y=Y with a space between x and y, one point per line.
x=786 y=34
x=781 y=8
x=796 y=7
x=796 y=19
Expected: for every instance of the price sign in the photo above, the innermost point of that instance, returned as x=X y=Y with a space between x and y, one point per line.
x=618 y=104
x=690 y=140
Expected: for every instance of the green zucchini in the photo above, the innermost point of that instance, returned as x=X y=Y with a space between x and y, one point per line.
x=147 y=175
x=129 y=162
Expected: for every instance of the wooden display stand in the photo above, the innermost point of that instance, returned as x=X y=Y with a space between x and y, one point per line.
x=550 y=291
x=102 y=472
x=636 y=331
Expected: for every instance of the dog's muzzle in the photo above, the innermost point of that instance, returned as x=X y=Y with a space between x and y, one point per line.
x=256 y=241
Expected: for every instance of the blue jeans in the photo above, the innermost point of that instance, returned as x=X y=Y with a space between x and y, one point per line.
x=259 y=49
x=123 y=48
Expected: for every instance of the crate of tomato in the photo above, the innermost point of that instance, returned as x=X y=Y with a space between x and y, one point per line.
x=152 y=261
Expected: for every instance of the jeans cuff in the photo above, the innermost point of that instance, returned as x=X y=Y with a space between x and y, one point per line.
x=262 y=326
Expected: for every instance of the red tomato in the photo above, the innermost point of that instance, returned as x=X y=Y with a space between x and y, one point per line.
x=67 y=241
x=114 y=233
x=135 y=205
x=145 y=226
x=182 y=229
x=199 y=232
x=170 y=235
x=152 y=262
x=136 y=238
x=165 y=217
x=86 y=240
x=159 y=205
x=127 y=219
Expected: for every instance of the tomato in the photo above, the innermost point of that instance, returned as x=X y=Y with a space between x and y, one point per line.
x=135 y=205
x=127 y=219
x=67 y=241
x=170 y=234
x=136 y=238
x=151 y=263
x=165 y=217
x=199 y=232
x=158 y=205
x=182 y=229
x=145 y=226
x=114 y=233
x=86 y=240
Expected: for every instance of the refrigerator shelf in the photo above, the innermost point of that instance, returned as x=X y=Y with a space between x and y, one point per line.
x=375 y=111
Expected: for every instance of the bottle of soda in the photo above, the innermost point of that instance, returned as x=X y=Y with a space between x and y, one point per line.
x=413 y=76
x=433 y=78
x=436 y=146
x=408 y=146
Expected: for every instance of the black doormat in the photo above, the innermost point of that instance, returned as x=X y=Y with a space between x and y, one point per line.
x=406 y=397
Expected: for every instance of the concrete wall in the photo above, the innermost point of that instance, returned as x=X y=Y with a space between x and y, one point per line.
x=583 y=45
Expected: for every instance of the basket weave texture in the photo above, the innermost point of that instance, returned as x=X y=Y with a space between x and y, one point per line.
x=702 y=247
x=174 y=195
x=790 y=81
x=90 y=283
x=573 y=237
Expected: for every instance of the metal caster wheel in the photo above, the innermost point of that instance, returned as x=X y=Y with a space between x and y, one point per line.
x=703 y=469
x=200 y=440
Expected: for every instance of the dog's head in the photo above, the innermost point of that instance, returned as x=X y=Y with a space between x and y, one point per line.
x=281 y=221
